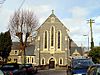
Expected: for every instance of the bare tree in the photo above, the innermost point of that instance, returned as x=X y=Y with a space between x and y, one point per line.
x=22 y=24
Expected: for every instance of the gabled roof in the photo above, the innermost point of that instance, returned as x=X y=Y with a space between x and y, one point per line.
x=76 y=52
x=15 y=46
x=56 y=20
x=29 y=49
x=79 y=49
x=73 y=44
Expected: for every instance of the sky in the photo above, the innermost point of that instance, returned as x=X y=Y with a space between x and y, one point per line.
x=72 y=13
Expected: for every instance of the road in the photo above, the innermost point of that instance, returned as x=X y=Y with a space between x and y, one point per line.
x=51 y=72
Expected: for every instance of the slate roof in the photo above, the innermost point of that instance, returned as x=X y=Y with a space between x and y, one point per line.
x=29 y=49
x=48 y=20
x=72 y=43
x=79 y=49
x=15 y=46
x=73 y=47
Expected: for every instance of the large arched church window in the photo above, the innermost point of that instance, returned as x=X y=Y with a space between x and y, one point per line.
x=45 y=45
x=59 y=39
x=52 y=36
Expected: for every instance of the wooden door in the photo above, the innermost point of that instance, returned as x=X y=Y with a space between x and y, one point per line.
x=51 y=64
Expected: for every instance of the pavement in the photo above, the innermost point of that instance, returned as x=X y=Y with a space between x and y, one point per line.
x=51 y=72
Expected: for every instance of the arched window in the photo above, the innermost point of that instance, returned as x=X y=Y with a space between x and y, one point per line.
x=52 y=36
x=45 y=46
x=59 y=39
x=43 y=61
x=61 y=61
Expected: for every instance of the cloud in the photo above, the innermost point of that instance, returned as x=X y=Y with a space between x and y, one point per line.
x=97 y=20
x=41 y=11
x=77 y=24
x=96 y=30
x=4 y=20
x=74 y=15
x=6 y=13
x=78 y=12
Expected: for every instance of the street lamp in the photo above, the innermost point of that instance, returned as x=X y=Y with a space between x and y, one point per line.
x=87 y=40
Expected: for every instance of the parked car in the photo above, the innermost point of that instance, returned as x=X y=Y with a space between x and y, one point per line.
x=94 y=70
x=79 y=66
x=30 y=69
x=12 y=69
x=1 y=72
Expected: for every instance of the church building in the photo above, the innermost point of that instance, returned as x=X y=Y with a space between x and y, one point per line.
x=52 y=44
x=51 y=48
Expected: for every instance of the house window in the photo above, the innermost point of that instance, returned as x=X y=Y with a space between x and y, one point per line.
x=32 y=60
x=28 y=60
x=9 y=59
x=15 y=60
x=45 y=39
x=15 y=52
x=59 y=39
x=52 y=36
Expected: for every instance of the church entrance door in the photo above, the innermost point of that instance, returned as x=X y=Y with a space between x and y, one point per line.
x=51 y=63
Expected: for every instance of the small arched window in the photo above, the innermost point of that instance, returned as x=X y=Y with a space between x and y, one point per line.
x=60 y=61
x=15 y=60
x=28 y=60
x=43 y=61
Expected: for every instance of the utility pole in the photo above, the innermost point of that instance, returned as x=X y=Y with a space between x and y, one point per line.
x=92 y=43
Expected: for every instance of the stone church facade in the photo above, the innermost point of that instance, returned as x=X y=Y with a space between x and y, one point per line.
x=52 y=43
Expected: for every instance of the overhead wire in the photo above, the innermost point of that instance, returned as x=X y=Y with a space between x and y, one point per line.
x=21 y=5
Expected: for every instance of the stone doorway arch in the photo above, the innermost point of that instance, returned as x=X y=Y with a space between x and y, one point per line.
x=51 y=63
